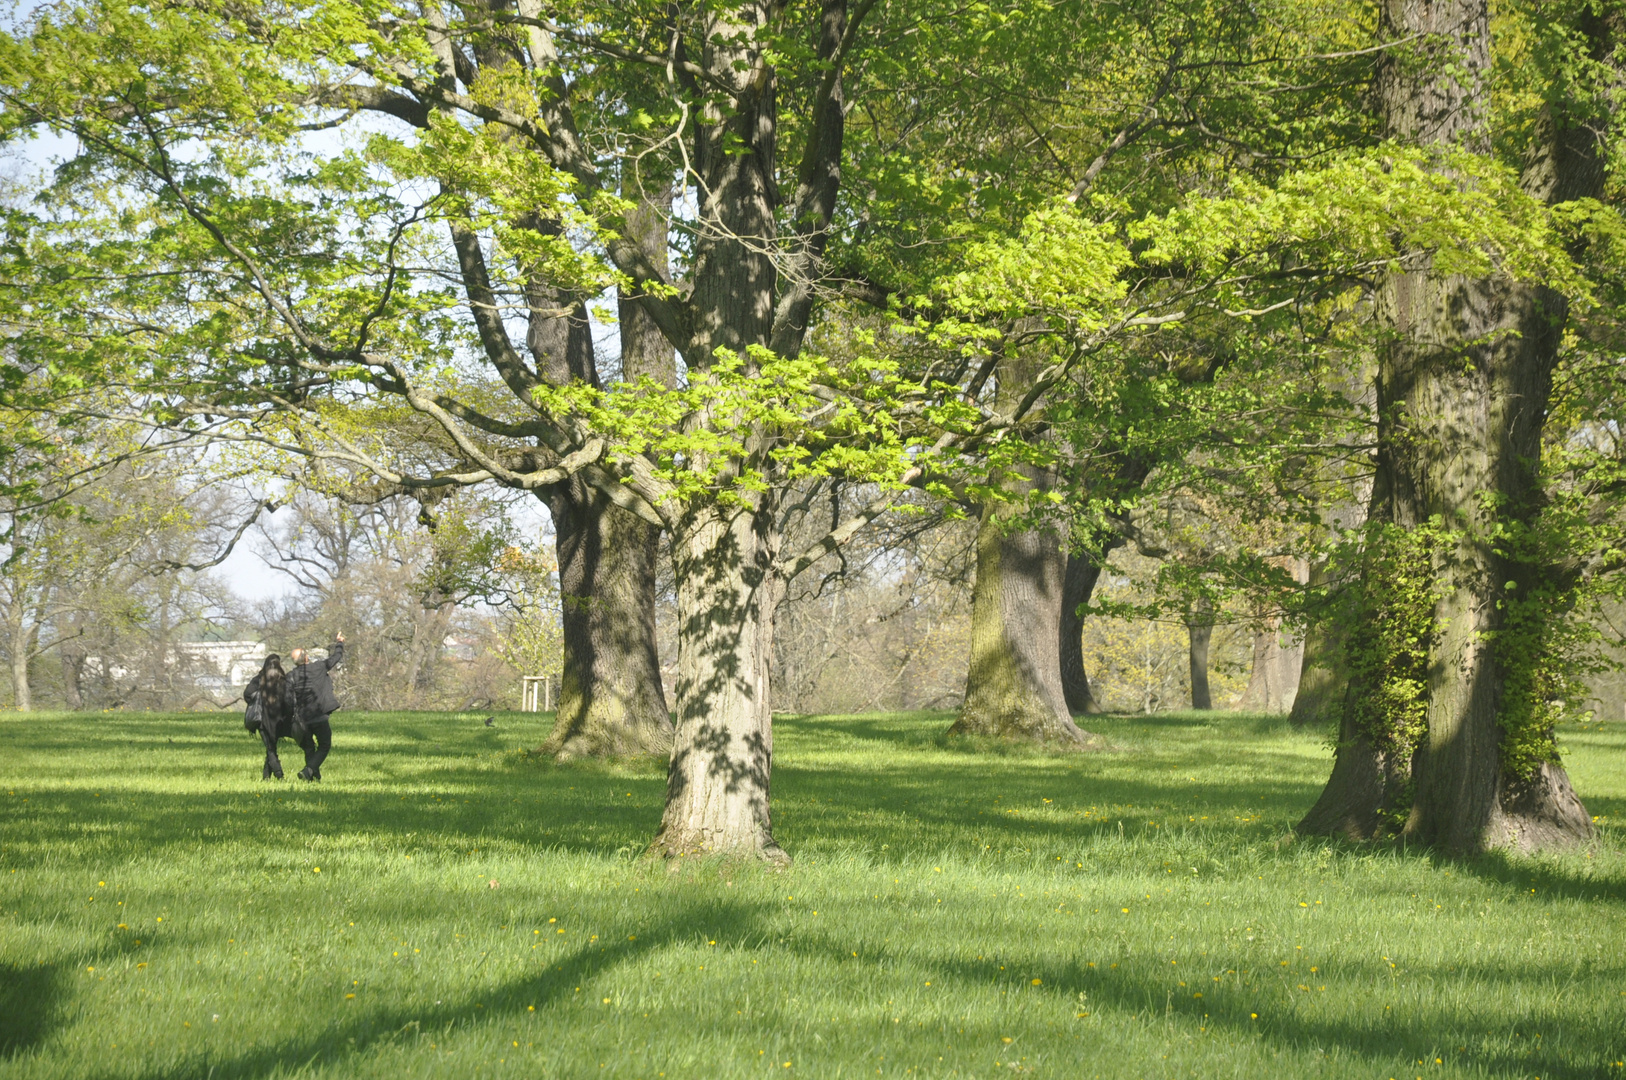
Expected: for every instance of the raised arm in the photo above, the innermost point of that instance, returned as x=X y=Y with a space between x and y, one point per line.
x=335 y=654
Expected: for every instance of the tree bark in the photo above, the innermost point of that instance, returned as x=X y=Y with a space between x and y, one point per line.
x=1199 y=632
x=1322 y=679
x=73 y=673
x=1014 y=687
x=722 y=749
x=725 y=552
x=1078 y=585
x=1462 y=392
x=1273 y=681
x=1368 y=790
x=22 y=694
x=610 y=697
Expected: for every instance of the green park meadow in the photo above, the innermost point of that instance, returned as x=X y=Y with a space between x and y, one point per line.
x=448 y=903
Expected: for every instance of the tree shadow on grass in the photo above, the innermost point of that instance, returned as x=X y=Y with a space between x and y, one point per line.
x=30 y=1001
x=1544 y=878
x=551 y=984
x=413 y=782
x=1137 y=987
x=1146 y=987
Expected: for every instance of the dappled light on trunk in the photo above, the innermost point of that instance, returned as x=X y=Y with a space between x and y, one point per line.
x=722 y=752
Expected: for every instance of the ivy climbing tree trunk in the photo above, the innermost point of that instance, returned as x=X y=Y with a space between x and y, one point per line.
x=1382 y=714
x=1463 y=385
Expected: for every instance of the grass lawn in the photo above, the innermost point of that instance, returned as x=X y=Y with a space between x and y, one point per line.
x=445 y=904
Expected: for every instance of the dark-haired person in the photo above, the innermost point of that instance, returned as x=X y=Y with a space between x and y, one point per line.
x=269 y=690
x=314 y=702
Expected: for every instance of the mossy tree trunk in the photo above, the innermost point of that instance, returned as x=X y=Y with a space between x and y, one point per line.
x=610 y=697
x=1014 y=685
x=1463 y=387
x=1082 y=572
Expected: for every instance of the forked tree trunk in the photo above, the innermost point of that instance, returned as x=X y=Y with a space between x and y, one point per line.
x=1013 y=688
x=1472 y=429
x=610 y=696
x=722 y=752
x=1078 y=585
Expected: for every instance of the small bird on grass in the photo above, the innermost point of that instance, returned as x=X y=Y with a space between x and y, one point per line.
x=490 y=721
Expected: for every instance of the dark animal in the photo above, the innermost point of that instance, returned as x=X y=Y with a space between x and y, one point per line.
x=491 y=721
x=270 y=711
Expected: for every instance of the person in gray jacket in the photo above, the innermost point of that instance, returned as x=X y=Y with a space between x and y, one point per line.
x=314 y=703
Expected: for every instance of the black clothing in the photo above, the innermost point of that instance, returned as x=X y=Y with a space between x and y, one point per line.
x=269 y=727
x=284 y=708
x=312 y=689
x=315 y=737
x=273 y=764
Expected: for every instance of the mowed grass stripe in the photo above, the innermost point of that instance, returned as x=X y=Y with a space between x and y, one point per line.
x=954 y=910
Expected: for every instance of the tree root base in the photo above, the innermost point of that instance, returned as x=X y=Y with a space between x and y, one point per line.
x=1542 y=813
x=676 y=851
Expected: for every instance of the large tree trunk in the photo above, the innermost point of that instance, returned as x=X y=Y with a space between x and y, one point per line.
x=1472 y=429
x=1368 y=790
x=1013 y=688
x=722 y=751
x=1462 y=392
x=610 y=696
x=1273 y=681
x=1078 y=584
